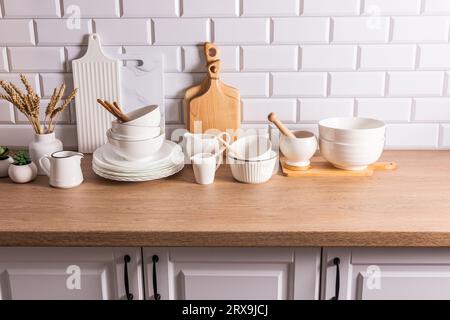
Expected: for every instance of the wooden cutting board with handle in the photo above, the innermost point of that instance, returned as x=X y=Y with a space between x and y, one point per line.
x=219 y=107
x=212 y=54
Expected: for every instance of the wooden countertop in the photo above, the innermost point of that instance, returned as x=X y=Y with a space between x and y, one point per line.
x=406 y=207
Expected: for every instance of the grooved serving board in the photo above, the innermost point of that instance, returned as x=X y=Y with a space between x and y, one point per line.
x=322 y=168
x=96 y=76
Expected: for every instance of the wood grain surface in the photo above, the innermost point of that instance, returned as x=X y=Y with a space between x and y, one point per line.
x=406 y=207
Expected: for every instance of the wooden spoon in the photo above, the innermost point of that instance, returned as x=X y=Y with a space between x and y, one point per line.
x=114 y=109
x=274 y=119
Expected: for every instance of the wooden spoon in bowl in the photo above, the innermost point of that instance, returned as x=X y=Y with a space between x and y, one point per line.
x=274 y=119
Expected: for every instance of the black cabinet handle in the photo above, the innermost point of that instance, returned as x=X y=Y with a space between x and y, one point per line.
x=156 y=295
x=127 y=260
x=336 y=262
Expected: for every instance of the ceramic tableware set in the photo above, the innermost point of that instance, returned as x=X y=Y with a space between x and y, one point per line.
x=137 y=149
x=351 y=145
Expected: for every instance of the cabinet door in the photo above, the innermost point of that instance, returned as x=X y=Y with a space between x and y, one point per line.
x=233 y=273
x=387 y=273
x=69 y=273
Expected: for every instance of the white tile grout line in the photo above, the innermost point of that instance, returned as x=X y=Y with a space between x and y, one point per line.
x=421 y=7
x=445 y=84
x=391 y=30
x=299 y=58
x=152 y=32
x=300 y=7
x=358 y=58
x=440 y=136
x=60 y=7
x=386 y=84
x=119 y=6
x=413 y=110
x=241 y=58
x=240 y=7
x=328 y=84
x=330 y=30
x=211 y=30
x=179 y=9
x=271 y=30
x=417 y=58
x=34 y=32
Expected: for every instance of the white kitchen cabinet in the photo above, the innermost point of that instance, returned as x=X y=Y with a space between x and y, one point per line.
x=233 y=273
x=69 y=273
x=387 y=273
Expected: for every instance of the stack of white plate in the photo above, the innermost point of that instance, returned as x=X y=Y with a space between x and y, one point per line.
x=166 y=162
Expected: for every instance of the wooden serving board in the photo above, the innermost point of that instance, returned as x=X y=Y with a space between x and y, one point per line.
x=217 y=108
x=321 y=168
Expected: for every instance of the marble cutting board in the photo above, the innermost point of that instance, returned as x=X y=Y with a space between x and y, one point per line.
x=142 y=81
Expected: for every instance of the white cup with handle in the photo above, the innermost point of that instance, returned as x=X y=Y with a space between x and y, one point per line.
x=63 y=169
x=205 y=166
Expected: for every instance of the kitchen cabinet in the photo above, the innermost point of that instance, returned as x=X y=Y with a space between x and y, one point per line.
x=232 y=273
x=386 y=273
x=69 y=273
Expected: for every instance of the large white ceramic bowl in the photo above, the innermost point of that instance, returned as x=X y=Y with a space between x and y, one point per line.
x=351 y=156
x=149 y=116
x=252 y=147
x=134 y=150
x=253 y=171
x=352 y=130
x=127 y=131
x=300 y=149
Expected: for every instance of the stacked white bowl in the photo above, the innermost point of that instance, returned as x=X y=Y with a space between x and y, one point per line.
x=351 y=143
x=139 y=138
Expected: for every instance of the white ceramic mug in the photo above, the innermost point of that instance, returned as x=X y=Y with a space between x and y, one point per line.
x=205 y=166
x=63 y=168
x=204 y=143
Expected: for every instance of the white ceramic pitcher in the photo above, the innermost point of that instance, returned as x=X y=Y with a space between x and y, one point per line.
x=63 y=168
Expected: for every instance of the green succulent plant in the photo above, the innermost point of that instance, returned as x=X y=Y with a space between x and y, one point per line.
x=4 y=152
x=21 y=158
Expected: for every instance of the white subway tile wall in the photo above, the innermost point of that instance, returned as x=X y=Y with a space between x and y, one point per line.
x=305 y=59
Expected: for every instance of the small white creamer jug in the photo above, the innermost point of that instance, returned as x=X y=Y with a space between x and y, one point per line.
x=63 y=168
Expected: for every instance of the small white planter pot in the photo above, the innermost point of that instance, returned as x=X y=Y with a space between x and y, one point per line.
x=4 y=165
x=22 y=174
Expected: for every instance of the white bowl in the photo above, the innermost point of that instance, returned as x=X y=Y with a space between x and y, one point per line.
x=252 y=147
x=352 y=130
x=299 y=150
x=130 y=132
x=149 y=116
x=253 y=171
x=133 y=150
x=351 y=156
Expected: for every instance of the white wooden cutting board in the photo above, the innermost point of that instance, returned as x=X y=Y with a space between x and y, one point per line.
x=96 y=76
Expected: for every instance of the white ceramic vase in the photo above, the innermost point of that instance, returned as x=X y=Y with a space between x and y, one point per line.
x=43 y=145
x=4 y=165
x=22 y=174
